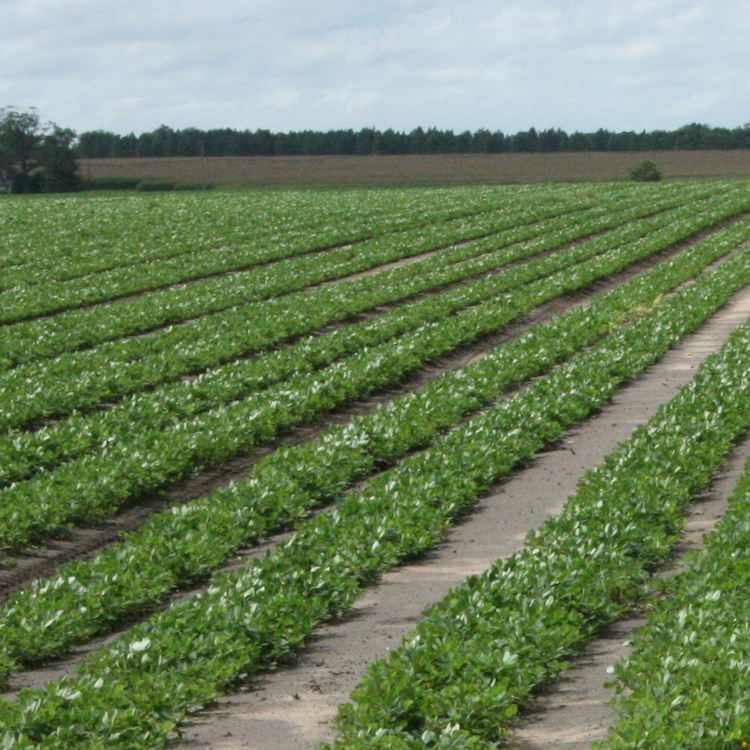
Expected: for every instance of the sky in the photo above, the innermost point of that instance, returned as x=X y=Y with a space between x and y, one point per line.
x=285 y=65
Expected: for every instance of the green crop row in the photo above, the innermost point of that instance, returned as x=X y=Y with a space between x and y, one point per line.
x=27 y=453
x=66 y=238
x=170 y=302
x=131 y=693
x=97 y=484
x=82 y=380
x=37 y=296
x=475 y=658
x=29 y=340
x=186 y=543
x=688 y=681
x=253 y=276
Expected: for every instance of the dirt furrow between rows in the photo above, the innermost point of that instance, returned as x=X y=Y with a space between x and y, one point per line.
x=294 y=707
x=84 y=542
x=42 y=561
x=574 y=712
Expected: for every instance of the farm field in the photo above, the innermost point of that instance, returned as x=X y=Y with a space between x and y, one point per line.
x=227 y=415
x=426 y=169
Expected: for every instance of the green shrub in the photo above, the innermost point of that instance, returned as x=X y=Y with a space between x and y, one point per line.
x=646 y=171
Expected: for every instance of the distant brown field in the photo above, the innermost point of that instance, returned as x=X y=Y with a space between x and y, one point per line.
x=437 y=169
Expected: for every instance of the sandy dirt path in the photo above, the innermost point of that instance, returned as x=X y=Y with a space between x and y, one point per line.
x=294 y=707
x=574 y=712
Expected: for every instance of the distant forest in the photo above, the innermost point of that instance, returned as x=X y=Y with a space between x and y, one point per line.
x=164 y=141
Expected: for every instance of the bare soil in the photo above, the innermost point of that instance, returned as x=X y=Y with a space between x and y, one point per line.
x=430 y=169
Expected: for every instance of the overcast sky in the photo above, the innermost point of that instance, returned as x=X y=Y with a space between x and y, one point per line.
x=132 y=65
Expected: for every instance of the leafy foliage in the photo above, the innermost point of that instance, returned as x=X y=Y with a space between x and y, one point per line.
x=491 y=259
x=646 y=171
x=688 y=679
x=36 y=157
x=580 y=570
x=157 y=456
x=248 y=620
x=176 y=547
x=166 y=141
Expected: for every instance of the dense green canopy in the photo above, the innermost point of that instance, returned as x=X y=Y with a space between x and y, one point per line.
x=164 y=141
x=35 y=156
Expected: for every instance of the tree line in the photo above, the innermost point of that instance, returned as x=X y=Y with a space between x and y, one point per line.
x=165 y=141
x=39 y=156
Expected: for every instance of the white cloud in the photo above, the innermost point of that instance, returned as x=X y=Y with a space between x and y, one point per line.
x=575 y=64
x=629 y=50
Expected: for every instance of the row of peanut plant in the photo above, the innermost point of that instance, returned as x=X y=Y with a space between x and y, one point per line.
x=177 y=547
x=122 y=470
x=51 y=388
x=29 y=298
x=68 y=237
x=459 y=680
x=132 y=692
x=26 y=341
x=216 y=290
x=249 y=280
x=27 y=453
x=688 y=681
x=347 y=298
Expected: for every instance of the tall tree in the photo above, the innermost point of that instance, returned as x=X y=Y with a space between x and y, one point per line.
x=19 y=143
x=36 y=156
x=59 y=161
